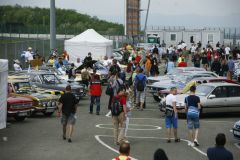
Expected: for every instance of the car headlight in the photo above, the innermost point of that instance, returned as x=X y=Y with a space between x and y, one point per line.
x=49 y=104
x=54 y=103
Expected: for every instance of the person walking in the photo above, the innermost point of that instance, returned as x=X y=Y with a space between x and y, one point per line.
x=231 y=68
x=67 y=110
x=219 y=152
x=86 y=76
x=216 y=66
x=129 y=106
x=140 y=85
x=95 y=91
x=71 y=72
x=119 y=111
x=171 y=119
x=192 y=107
x=224 y=68
x=124 y=151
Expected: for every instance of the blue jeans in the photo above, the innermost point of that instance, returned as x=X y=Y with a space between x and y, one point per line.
x=97 y=100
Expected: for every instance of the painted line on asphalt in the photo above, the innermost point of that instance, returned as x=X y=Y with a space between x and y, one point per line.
x=201 y=120
x=97 y=137
x=237 y=145
x=136 y=129
x=104 y=144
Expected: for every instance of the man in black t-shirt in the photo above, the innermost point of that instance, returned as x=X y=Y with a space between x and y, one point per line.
x=192 y=103
x=67 y=107
x=114 y=69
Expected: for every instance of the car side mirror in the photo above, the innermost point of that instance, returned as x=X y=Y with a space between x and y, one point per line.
x=212 y=96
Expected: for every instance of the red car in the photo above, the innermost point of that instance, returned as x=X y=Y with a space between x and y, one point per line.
x=19 y=107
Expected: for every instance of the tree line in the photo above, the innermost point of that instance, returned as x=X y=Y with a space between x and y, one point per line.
x=18 y=19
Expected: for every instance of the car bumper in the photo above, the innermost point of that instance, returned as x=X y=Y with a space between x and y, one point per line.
x=24 y=113
x=45 y=109
x=236 y=133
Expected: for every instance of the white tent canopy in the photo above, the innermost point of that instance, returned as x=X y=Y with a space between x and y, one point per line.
x=3 y=93
x=88 y=41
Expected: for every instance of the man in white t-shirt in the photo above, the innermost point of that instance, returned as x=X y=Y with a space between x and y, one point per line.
x=193 y=49
x=171 y=119
x=17 y=66
x=227 y=52
x=28 y=55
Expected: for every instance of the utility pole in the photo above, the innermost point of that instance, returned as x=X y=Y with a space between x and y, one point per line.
x=145 y=26
x=52 y=25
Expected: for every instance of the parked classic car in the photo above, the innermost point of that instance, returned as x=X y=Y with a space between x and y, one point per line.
x=236 y=130
x=179 y=82
x=42 y=102
x=215 y=98
x=49 y=80
x=19 y=107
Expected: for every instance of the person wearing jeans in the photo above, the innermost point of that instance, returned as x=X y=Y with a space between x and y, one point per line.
x=95 y=91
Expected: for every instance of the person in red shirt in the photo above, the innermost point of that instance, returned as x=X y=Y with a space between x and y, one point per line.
x=138 y=58
x=119 y=120
x=95 y=91
x=182 y=63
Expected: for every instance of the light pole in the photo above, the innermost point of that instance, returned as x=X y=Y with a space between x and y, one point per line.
x=52 y=25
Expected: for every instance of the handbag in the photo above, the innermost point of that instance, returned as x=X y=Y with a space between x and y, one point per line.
x=169 y=111
x=193 y=112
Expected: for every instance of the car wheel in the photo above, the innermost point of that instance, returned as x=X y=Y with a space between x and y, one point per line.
x=156 y=98
x=19 y=118
x=48 y=113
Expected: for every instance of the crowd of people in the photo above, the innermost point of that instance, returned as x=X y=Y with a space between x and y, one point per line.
x=125 y=94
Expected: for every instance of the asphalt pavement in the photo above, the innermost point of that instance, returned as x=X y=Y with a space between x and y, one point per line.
x=40 y=137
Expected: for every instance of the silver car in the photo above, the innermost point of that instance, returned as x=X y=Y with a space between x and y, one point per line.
x=215 y=98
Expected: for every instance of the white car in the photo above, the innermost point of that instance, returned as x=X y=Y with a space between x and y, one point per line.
x=236 y=130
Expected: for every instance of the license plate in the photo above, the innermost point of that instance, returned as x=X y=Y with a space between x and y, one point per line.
x=22 y=114
x=50 y=110
x=236 y=133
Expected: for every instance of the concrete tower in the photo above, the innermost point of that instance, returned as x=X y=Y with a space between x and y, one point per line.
x=132 y=17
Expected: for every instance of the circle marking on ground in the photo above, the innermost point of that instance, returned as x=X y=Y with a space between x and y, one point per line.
x=108 y=126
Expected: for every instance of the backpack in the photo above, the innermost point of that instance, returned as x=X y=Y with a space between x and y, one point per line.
x=140 y=84
x=116 y=107
x=109 y=90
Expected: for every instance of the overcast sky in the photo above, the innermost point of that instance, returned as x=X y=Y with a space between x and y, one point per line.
x=194 y=13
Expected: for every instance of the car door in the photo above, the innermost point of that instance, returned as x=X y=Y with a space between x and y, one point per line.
x=233 y=99
x=218 y=103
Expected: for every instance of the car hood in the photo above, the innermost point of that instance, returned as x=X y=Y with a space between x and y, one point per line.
x=166 y=84
x=63 y=85
x=42 y=96
x=18 y=99
x=159 y=78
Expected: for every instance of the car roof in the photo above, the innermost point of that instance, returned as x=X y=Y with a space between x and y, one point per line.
x=214 y=84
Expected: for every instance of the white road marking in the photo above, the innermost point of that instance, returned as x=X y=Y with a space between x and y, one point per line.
x=137 y=129
x=97 y=137
x=237 y=145
x=108 y=114
x=104 y=144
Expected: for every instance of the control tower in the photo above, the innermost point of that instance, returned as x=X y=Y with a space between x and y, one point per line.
x=132 y=17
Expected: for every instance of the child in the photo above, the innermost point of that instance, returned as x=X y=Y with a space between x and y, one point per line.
x=129 y=107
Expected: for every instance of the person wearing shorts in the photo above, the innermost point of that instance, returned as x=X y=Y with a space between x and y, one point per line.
x=172 y=121
x=193 y=122
x=67 y=108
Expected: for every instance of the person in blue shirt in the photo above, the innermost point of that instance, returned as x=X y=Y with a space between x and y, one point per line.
x=140 y=85
x=231 y=68
x=219 y=152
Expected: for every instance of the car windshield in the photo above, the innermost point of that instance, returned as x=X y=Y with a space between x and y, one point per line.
x=50 y=78
x=203 y=90
x=21 y=85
